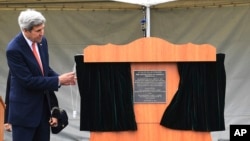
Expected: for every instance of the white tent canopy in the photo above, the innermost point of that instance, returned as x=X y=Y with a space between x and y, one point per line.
x=146 y=3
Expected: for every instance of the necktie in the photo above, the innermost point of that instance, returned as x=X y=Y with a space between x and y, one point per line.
x=34 y=50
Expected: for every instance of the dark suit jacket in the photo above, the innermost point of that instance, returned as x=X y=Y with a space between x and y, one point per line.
x=28 y=85
x=7 y=99
x=52 y=98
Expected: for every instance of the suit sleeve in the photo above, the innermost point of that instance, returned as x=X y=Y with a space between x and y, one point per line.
x=54 y=103
x=7 y=99
x=53 y=99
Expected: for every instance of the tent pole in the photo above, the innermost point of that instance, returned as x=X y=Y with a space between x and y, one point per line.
x=147 y=21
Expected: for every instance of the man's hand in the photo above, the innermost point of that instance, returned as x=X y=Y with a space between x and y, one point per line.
x=67 y=78
x=53 y=122
x=7 y=127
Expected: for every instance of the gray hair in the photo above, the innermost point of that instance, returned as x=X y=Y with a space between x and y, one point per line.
x=30 y=18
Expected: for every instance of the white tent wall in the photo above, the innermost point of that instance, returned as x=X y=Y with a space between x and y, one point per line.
x=69 y=31
x=226 y=28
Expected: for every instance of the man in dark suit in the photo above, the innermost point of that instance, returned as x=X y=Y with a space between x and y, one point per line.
x=32 y=79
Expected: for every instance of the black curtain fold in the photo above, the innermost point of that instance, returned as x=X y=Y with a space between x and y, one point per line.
x=199 y=101
x=106 y=96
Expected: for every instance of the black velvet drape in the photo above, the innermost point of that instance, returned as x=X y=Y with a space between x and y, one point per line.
x=106 y=96
x=199 y=101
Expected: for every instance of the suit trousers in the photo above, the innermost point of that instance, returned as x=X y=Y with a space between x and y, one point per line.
x=39 y=133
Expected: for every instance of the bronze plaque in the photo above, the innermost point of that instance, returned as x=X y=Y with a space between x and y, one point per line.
x=149 y=86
